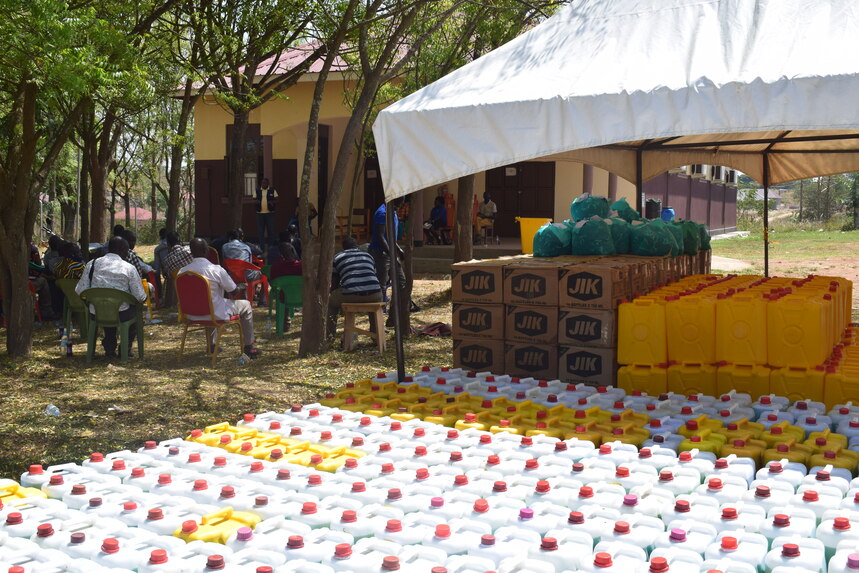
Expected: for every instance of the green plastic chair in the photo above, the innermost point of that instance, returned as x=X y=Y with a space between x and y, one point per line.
x=285 y=294
x=106 y=302
x=73 y=307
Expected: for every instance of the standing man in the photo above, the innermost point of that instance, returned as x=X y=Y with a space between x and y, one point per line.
x=266 y=198
x=485 y=214
x=353 y=280
x=112 y=271
x=220 y=283
x=380 y=250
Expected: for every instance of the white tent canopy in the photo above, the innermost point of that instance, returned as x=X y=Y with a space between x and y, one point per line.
x=768 y=87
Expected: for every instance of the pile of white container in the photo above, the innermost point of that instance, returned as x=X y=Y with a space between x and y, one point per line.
x=429 y=498
x=667 y=411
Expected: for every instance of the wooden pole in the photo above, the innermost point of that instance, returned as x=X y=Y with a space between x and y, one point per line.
x=395 y=290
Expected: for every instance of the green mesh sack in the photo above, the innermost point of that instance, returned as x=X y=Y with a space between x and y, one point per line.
x=624 y=211
x=552 y=240
x=703 y=237
x=586 y=206
x=592 y=237
x=619 y=234
x=651 y=239
x=691 y=236
x=677 y=234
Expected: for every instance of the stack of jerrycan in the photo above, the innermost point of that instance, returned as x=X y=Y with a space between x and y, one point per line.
x=414 y=495
x=769 y=427
x=842 y=370
x=756 y=335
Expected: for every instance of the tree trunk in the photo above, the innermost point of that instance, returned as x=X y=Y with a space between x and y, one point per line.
x=153 y=206
x=84 y=208
x=126 y=203
x=235 y=189
x=177 y=149
x=463 y=240
x=112 y=208
x=801 y=182
x=67 y=209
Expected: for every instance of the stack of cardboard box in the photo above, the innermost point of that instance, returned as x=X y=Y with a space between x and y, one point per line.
x=553 y=317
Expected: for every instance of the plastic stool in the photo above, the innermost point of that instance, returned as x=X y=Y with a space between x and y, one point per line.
x=351 y=310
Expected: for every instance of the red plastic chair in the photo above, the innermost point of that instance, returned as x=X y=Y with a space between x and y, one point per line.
x=195 y=298
x=237 y=268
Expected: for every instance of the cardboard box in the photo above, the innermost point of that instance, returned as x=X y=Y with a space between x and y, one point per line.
x=594 y=366
x=535 y=360
x=479 y=355
x=478 y=321
x=532 y=282
x=584 y=327
x=593 y=285
x=477 y=282
x=535 y=324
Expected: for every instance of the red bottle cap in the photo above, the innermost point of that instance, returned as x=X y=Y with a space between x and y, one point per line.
x=158 y=556
x=110 y=545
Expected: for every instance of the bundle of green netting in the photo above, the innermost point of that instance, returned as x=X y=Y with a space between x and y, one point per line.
x=597 y=228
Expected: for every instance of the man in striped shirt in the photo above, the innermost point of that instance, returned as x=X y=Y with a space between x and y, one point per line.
x=354 y=280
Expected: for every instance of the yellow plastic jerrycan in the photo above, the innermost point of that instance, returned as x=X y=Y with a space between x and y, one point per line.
x=691 y=329
x=445 y=416
x=841 y=385
x=620 y=419
x=797 y=330
x=705 y=441
x=584 y=416
x=212 y=435
x=782 y=432
x=692 y=378
x=790 y=450
x=749 y=379
x=743 y=429
x=695 y=426
x=741 y=328
x=337 y=458
x=846 y=459
x=753 y=449
x=552 y=428
x=641 y=332
x=587 y=431
x=383 y=391
x=627 y=434
x=216 y=527
x=11 y=491
x=826 y=440
x=403 y=415
x=505 y=425
x=798 y=383
x=470 y=421
x=650 y=378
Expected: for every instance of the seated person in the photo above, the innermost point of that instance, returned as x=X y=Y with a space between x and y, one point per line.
x=156 y=255
x=353 y=280
x=288 y=265
x=486 y=213
x=52 y=255
x=143 y=269
x=236 y=248
x=434 y=226
x=112 y=271
x=175 y=256
x=220 y=284
x=70 y=265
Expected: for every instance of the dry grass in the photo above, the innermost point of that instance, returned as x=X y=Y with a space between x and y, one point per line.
x=108 y=406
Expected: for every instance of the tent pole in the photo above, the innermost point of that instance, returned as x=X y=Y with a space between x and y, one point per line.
x=390 y=213
x=639 y=184
x=766 y=215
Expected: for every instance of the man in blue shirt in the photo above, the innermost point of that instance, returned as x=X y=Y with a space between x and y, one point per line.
x=381 y=252
x=435 y=228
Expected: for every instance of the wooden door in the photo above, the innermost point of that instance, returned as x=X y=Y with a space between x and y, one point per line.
x=524 y=189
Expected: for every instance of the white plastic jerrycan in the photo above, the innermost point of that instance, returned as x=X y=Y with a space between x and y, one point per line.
x=792 y=551
x=739 y=545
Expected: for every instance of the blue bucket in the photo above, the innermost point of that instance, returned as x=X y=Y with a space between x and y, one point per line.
x=667 y=214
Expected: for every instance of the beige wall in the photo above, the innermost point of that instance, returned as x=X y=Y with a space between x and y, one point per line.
x=285 y=120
